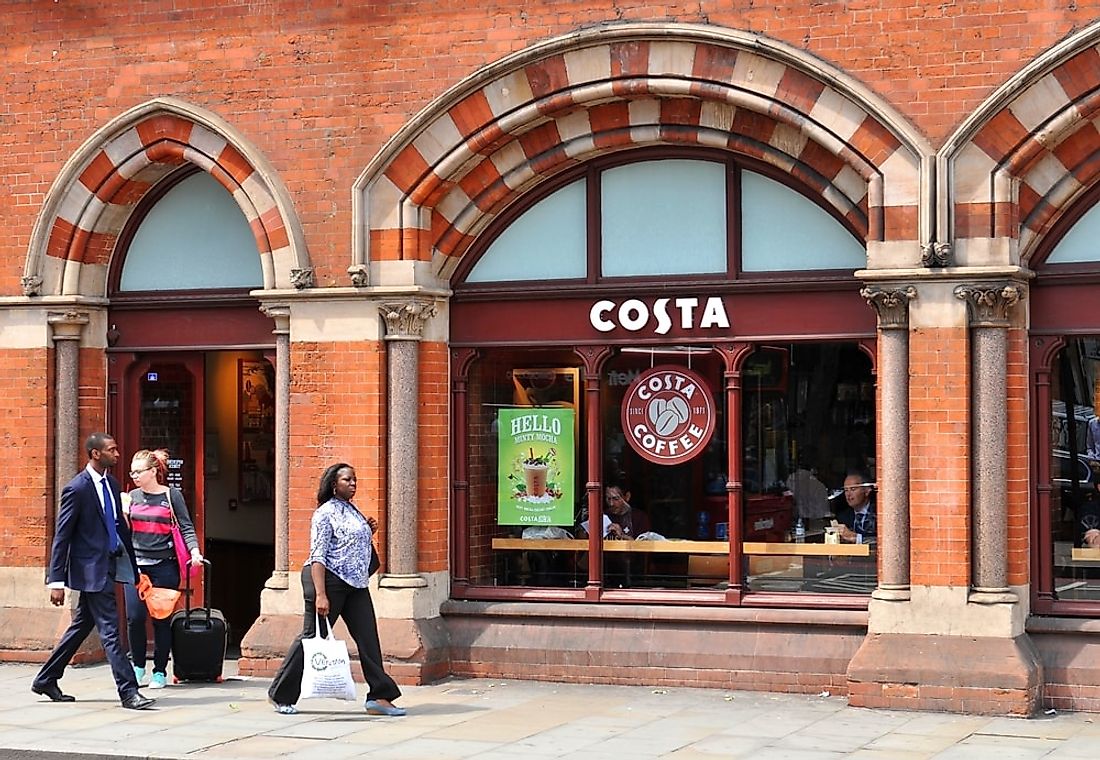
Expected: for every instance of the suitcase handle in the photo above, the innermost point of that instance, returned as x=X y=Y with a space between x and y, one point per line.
x=187 y=590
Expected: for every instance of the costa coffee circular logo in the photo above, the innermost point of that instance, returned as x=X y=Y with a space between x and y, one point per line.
x=668 y=414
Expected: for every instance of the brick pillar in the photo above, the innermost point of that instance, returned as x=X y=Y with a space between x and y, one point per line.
x=958 y=642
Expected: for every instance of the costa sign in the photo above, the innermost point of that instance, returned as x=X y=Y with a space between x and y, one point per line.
x=634 y=314
x=668 y=414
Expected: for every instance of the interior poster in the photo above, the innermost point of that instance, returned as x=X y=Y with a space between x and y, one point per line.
x=536 y=466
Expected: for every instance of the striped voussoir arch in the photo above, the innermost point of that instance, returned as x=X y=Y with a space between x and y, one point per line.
x=94 y=208
x=474 y=153
x=1034 y=156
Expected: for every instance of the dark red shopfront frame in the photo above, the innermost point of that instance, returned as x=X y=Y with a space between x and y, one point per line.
x=757 y=316
x=801 y=310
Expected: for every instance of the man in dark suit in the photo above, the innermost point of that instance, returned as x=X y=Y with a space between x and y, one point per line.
x=91 y=552
x=858 y=520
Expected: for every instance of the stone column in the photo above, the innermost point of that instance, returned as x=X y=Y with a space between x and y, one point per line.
x=280 y=313
x=405 y=323
x=989 y=306
x=892 y=307
x=67 y=328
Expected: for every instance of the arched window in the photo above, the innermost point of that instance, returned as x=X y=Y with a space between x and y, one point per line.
x=663 y=217
x=192 y=237
x=682 y=269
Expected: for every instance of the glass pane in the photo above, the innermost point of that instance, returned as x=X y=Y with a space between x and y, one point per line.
x=513 y=545
x=194 y=237
x=783 y=230
x=808 y=427
x=1074 y=509
x=665 y=523
x=1079 y=244
x=664 y=217
x=548 y=242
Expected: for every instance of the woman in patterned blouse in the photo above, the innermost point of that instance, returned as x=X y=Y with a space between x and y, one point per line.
x=334 y=583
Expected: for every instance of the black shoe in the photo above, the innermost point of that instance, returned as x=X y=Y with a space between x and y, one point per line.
x=137 y=702
x=53 y=691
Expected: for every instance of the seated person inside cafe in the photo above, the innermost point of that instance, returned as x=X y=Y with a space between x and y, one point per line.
x=857 y=518
x=622 y=519
x=1088 y=512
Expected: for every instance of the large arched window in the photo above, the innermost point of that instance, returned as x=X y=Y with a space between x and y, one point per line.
x=1065 y=385
x=191 y=236
x=665 y=217
x=574 y=318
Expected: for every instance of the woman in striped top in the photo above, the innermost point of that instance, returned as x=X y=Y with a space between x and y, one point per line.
x=151 y=507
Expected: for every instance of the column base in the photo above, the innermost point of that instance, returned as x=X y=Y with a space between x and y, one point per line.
x=892 y=593
x=992 y=596
x=981 y=675
x=279 y=580
x=403 y=580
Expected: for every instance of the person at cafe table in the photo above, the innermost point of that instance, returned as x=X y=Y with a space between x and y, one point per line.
x=858 y=523
x=625 y=521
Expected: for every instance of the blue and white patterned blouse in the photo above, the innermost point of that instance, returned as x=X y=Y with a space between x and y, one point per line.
x=339 y=538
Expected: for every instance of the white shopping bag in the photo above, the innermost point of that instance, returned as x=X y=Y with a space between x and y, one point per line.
x=327 y=671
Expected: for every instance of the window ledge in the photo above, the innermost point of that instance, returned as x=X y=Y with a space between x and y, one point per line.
x=659 y=613
x=1063 y=625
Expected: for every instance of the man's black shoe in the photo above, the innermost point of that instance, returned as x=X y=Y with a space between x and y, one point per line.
x=137 y=702
x=53 y=691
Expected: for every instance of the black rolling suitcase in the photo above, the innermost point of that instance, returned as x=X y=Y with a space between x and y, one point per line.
x=198 y=638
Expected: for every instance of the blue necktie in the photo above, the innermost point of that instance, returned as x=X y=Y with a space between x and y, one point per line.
x=109 y=515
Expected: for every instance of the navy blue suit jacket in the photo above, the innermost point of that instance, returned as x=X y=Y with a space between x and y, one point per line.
x=80 y=557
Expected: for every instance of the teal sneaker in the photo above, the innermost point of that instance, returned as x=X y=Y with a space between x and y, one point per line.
x=160 y=680
x=139 y=674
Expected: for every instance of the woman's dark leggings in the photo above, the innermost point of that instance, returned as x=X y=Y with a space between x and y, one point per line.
x=164 y=574
x=354 y=605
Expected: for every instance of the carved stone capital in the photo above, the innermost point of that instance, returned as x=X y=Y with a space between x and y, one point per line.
x=934 y=254
x=280 y=314
x=302 y=278
x=406 y=320
x=360 y=275
x=891 y=305
x=989 y=305
x=67 y=325
x=32 y=285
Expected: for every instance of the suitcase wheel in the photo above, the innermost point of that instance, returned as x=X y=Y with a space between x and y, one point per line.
x=219 y=679
x=175 y=679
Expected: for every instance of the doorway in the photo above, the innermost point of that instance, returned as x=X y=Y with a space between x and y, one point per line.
x=214 y=411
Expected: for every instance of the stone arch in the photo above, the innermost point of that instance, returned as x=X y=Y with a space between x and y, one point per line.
x=99 y=186
x=441 y=179
x=1025 y=155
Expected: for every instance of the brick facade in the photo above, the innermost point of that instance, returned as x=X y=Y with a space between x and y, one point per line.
x=370 y=146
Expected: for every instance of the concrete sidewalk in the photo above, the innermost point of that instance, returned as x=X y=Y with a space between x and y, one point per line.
x=505 y=720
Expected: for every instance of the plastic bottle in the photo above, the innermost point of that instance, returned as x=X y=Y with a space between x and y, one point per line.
x=702 y=530
x=799 y=531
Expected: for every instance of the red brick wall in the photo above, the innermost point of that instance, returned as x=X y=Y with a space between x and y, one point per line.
x=337 y=414
x=434 y=483
x=1019 y=561
x=319 y=86
x=26 y=515
x=939 y=407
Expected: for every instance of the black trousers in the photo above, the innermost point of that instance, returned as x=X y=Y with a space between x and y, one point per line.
x=99 y=610
x=354 y=605
x=164 y=574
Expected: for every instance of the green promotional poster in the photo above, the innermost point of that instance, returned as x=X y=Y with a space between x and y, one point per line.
x=536 y=466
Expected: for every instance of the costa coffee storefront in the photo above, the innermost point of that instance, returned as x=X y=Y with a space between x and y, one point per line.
x=679 y=332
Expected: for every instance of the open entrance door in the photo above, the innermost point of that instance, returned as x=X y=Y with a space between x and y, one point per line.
x=214 y=413
x=158 y=401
